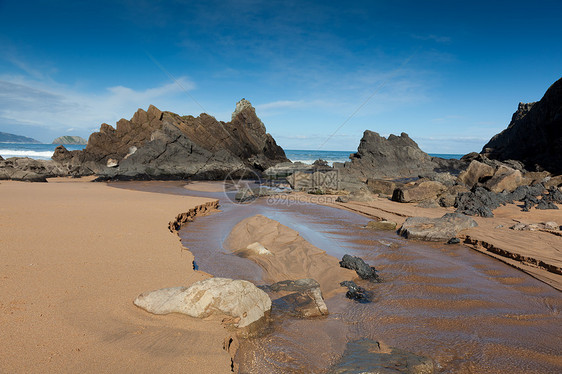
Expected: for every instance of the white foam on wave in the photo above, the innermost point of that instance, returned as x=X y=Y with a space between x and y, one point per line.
x=7 y=153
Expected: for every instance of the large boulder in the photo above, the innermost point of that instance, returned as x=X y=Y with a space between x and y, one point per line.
x=391 y=158
x=382 y=186
x=436 y=229
x=239 y=299
x=534 y=135
x=476 y=172
x=30 y=170
x=505 y=179
x=418 y=192
x=164 y=145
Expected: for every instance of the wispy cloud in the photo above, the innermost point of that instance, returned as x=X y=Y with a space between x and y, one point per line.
x=432 y=37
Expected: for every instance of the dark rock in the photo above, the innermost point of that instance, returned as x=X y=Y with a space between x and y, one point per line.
x=321 y=163
x=369 y=356
x=30 y=170
x=534 y=135
x=546 y=204
x=354 y=292
x=454 y=241
x=361 y=267
x=478 y=202
x=392 y=157
x=168 y=146
x=436 y=229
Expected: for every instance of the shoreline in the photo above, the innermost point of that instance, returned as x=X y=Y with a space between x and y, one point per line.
x=68 y=284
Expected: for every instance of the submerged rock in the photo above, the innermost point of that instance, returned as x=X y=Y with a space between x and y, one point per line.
x=381 y=225
x=305 y=300
x=370 y=356
x=239 y=299
x=436 y=229
x=361 y=267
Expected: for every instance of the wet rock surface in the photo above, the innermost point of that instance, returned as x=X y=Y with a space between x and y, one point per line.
x=361 y=267
x=436 y=229
x=304 y=300
x=370 y=356
x=357 y=293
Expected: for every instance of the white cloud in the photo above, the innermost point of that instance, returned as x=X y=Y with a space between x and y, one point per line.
x=53 y=105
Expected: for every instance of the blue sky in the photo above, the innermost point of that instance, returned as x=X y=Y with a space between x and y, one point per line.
x=448 y=73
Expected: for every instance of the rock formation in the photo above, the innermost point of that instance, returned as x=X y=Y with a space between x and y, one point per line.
x=71 y=140
x=534 y=135
x=164 y=145
x=392 y=157
x=436 y=229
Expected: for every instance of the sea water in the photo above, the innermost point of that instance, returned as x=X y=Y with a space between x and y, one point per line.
x=36 y=151
x=45 y=151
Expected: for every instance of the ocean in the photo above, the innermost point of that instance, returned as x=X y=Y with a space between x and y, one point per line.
x=45 y=151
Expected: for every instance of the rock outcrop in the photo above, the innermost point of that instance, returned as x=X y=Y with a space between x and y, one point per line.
x=239 y=299
x=392 y=157
x=30 y=170
x=164 y=145
x=534 y=135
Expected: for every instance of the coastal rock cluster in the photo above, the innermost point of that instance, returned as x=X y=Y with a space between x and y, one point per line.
x=163 y=145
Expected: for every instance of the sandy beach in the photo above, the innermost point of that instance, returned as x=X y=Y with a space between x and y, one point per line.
x=74 y=257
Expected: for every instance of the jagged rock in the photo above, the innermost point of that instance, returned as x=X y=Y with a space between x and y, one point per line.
x=546 y=204
x=354 y=292
x=369 y=356
x=534 y=135
x=361 y=267
x=237 y=298
x=479 y=202
x=425 y=190
x=381 y=225
x=305 y=300
x=475 y=173
x=436 y=229
x=169 y=146
x=505 y=179
x=381 y=186
x=392 y=157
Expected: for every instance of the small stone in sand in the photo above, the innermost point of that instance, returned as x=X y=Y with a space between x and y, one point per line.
x=361 y=267
x=381 y=225
x=258 y=248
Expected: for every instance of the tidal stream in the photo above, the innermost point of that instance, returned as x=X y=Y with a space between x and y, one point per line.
x=466 y=311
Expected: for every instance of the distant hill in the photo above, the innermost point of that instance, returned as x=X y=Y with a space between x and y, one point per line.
x=11 y=138
x=74 y=140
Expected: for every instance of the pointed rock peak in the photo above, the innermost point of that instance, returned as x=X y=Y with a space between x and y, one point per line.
x=240 y=106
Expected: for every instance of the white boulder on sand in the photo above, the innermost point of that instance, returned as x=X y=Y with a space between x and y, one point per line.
x=237 y=298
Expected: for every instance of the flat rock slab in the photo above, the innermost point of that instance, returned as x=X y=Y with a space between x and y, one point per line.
x=306 y=299
x=436 y=229
x=237 y=298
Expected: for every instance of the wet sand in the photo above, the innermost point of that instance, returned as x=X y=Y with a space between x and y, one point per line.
x=470 y=313
x=74 y=257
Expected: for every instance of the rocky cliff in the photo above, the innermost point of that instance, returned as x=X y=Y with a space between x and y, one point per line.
x=534 y=135
x=164 y=145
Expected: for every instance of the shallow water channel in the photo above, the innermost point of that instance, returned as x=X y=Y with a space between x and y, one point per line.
x=468 y=312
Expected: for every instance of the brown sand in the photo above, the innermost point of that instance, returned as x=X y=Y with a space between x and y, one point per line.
x=74 y=257
x=293 y=257
x=538 y=253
